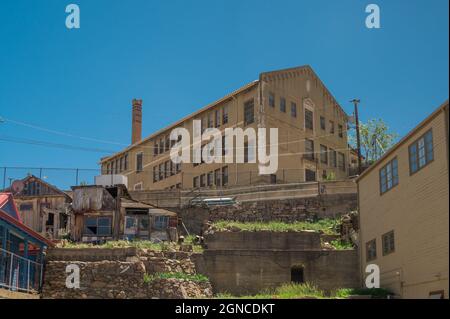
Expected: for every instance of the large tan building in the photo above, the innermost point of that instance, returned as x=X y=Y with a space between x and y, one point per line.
x=312 y=137
x=404 y=212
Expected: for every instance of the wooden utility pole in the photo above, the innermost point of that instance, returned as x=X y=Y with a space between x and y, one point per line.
x=358 y=140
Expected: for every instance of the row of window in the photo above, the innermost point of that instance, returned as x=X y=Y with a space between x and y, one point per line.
x=165 y=170
x=118 y=165
x=309 y=116
x=328 y=156
x=218 y=177
x=213 y=119
x=331 y=125
x=387 y=243
x=293 y=105
x=420 y=154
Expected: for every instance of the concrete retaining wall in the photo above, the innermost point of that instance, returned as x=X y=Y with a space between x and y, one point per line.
x=248 y=272
x=263 y=240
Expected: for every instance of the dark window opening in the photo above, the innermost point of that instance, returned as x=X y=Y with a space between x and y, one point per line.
x=297 y=275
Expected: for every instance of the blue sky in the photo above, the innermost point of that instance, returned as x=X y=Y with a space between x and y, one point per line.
x=181 y=55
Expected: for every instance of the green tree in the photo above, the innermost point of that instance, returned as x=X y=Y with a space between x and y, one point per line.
x=376 y=139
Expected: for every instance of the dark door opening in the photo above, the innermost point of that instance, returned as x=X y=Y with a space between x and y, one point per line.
x=297 y=275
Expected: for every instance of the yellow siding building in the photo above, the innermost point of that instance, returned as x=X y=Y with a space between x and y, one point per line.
x=403 y=203
x=312 y=137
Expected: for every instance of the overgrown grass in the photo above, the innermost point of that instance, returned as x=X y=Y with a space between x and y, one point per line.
x=141 y=244
x=339 y=244
x=374 y=292
x=190 y=241
x=286 y=291
x=307 y=290
x=176 y=275
x=327 y=226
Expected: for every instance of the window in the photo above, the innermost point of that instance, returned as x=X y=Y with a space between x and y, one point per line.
x=323 y=154
x=210 y=120
x=97 y=226
x=155 y=149
x=246 y=152
x=121 y=164
x=309 y=149
x=217 y=177
x=178 y=168
x=139 y=157
x=437 y=295
x=389 y=176
x=225 y=114
x=310 y=175
x=161 y=222
x=138 y=186
x=195 y=182
x=167 y=143
x=273 y=178
x=26 y=206
x=331 y=127
x=271 y=100
x=322 y=123
x=108 y=168
x=283 y=104
x=217 y=116
x=333 y=158
x=204 y=123
x=166 y=169
x=161 y=171
x=224 y=175
x=388 y=243
x=155 y=174
x=210 y=179
x=340 y=130
x=161 y=146
x=125 y=162
x=341 y=161
x=172 y=168
x=297 y=275
x=421 y=152
x=293 y=109
x=249 y=114
x=309 y=120
x=202 y=180
x=371 y=250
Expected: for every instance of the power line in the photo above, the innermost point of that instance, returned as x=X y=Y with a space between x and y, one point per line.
x=61 y=133
x=53 y=145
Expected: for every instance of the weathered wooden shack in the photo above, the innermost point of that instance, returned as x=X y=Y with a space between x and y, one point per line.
x=104 y=213
x=42 y=207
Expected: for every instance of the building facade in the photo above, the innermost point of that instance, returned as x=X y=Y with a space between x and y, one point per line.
x=404 y=212
x=312 y=137
x=42 y=207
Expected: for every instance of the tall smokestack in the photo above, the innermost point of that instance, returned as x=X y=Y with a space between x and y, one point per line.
x=136 y=121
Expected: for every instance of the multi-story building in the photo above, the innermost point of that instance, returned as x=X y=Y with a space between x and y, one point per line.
x=404 y=212
x=312 y=137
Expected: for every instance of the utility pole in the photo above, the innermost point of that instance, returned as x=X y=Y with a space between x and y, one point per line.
x=358 y=140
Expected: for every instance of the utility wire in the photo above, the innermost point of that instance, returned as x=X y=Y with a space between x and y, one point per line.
x=54 y=145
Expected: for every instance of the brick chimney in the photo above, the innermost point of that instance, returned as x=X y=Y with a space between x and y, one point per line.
x=136 y=121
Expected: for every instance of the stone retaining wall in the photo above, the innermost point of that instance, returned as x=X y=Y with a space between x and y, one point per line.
x=123 y=276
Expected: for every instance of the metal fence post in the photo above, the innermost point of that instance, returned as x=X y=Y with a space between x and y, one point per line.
x=10 y=272
x=28 y=275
